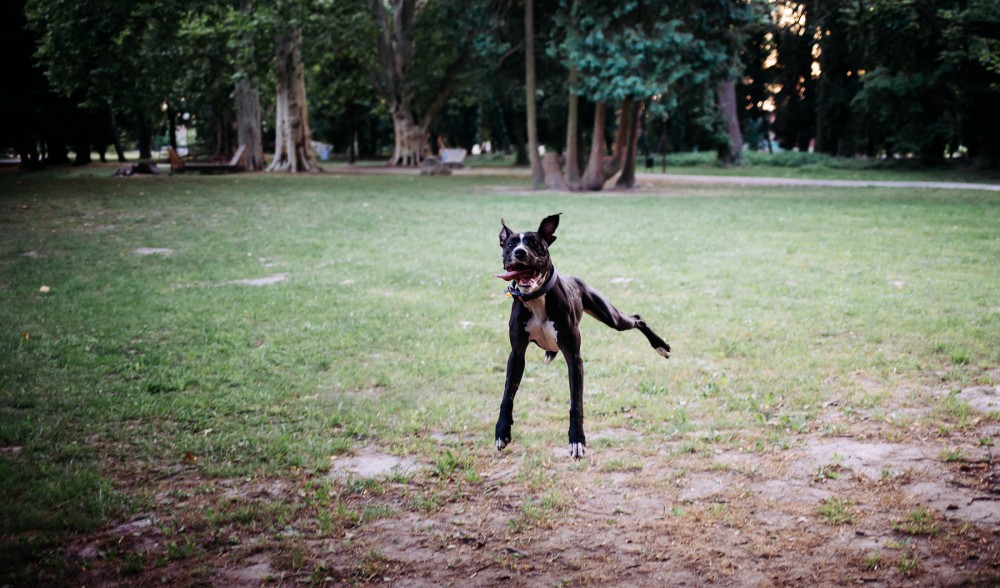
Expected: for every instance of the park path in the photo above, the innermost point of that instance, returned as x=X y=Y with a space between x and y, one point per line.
x=756 y=181
x=668 y=178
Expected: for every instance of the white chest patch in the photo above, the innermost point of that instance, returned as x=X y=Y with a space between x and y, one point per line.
x=540 y=329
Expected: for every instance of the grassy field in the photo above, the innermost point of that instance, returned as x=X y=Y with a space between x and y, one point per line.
x=173 y=347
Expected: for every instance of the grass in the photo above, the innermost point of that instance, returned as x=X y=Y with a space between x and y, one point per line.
x=836 y=511
x=386 y=326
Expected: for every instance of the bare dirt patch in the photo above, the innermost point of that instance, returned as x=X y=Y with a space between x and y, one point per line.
x=370 y=464
x=873 y=507
x=163 y=251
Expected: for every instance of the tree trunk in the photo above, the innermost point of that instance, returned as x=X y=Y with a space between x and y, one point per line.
x=593 y=176
x=411 y=138
x=248 y=124
x=144 y=137
x=115 y=136
x=731 y=153
x=553 y=175
x=626 y=128
x=573 y=134
x=537 y=174
x=627 y=180
x=172 y=126
x=293 y=150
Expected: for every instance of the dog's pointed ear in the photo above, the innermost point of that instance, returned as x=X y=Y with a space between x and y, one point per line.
x=505 y=232
x=548 y=228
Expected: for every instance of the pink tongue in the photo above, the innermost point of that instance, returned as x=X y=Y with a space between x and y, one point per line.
x=510 y=275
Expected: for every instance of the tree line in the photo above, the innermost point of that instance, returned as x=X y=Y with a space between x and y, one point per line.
x=599 y=85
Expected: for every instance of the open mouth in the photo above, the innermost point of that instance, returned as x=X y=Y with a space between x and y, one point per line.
x=523 y=275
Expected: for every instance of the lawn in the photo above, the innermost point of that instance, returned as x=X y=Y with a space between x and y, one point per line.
x=184 y=362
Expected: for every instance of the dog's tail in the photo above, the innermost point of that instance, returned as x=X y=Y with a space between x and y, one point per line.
x=550 y=355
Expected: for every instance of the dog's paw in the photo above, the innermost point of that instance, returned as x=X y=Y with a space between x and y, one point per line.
x=501 y=443
x=664 y=351
x=577 y=450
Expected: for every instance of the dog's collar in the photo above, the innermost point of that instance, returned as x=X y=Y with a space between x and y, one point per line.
x=513 y=292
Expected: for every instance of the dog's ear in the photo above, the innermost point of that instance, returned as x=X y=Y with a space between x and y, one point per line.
x=548 y=228
x=505 y=232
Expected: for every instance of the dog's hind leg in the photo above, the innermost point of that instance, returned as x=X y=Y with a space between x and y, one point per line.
x=599 y=307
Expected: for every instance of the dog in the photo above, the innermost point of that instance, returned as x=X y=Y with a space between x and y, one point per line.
x=547 y=310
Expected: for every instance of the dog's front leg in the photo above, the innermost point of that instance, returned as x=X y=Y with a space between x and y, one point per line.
x=515 y=369
x=577 y=439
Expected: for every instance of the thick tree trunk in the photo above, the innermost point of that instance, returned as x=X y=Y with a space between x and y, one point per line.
x=248 y=124
x=732 y=152
x=81 y=148
x=593 y=176
x=626 y=181
x=144 y=137
x=411 y=138
x=573 y=134
x=115 y=136
x=537 y=174
x=626 y=129
x=553 y=173
x=293 y=150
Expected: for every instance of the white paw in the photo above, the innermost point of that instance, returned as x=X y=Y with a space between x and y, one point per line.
x=501 y=444
x=577 y=450
x=663 y=352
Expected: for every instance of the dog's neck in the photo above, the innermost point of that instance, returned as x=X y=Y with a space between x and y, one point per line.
x=545 y=284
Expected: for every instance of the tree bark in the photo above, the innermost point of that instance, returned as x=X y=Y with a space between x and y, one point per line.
x=293 y=150
x=411 y=138
x=537 y=174
x=626 y=128
x=248 y=124
x=115 y=136
x=573 y=134
x=593 y=176
x=172 y=126
x=732 y=152
x=626 y=181
x=144 y=137
x=553 y=175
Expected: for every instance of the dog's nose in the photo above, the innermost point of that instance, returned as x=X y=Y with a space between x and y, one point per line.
x=519 y=253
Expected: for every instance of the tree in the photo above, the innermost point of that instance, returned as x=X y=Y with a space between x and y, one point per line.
x=220 y=44
x=105 y=54
x=726 y=26
x=423 y=49
x=627 y=54
x=293 y=150
x=537 y=175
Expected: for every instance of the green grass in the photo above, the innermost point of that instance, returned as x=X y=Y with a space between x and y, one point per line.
x=389 y=327
x=836 y=511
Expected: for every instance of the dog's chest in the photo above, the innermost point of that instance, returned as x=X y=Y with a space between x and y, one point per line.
x=540 y=329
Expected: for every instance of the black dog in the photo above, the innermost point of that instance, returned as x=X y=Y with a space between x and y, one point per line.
x=547 y=311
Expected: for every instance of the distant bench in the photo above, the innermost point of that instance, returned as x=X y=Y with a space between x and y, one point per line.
x=453 y=157
x=179 y=166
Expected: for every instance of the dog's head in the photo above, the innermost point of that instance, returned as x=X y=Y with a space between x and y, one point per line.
x=526 y=255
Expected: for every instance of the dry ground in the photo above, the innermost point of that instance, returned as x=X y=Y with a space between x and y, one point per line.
x=862 y=502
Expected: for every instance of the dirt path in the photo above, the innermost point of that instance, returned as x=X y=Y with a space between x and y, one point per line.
x=669 y=178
